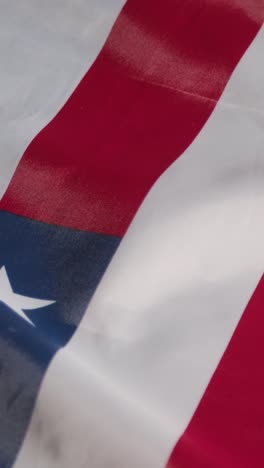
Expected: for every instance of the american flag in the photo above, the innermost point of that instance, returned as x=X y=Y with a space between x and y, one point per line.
x=131 y=234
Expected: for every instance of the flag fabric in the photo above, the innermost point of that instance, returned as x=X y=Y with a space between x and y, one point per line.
x=131 y=234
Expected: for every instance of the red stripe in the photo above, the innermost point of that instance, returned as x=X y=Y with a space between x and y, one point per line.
x=147 y=96
x=227 y=429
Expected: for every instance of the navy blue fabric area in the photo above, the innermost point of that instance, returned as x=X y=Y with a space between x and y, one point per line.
x=50 y=263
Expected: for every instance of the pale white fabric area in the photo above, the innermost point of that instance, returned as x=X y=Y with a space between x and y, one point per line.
x=124 y=389
x=46 y=46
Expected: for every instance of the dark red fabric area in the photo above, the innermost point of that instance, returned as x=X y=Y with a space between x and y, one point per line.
x=227 y=429
x=139 y=107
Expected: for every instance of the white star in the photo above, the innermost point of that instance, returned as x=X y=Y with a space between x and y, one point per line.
x=17 y=302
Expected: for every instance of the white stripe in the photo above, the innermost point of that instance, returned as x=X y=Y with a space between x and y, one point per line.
x=45 y=49
x=124 y=389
